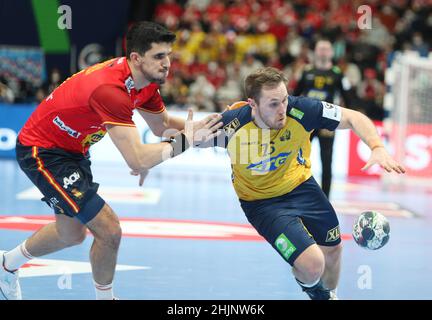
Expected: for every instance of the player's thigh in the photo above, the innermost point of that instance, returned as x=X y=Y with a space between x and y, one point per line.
x=283 y=230
x=318 y=215
x=65 y=180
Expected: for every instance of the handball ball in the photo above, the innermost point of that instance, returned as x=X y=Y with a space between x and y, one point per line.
x=371 y=230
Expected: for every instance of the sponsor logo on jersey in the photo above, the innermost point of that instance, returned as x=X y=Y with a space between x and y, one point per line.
x=296 y=113
x=333 y=234
x=129 y=84
x=231 y=127
x=285 y=246
x=331 y=111
x=92 y=138
x=59 y=123
x=68 y=181
x=285 y=136
x=76 y=193
x=270 y=164
x=54 y=201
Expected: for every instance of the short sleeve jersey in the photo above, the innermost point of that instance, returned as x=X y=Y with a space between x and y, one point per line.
x=73 y=117
x=269 y=163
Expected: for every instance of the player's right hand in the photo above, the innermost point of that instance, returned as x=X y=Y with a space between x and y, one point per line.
x=204 y=130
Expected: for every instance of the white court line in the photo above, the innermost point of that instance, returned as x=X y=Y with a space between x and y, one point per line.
x=50 y=267
x=110 y=194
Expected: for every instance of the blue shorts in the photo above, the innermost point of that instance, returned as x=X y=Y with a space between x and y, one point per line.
x=65 y=179
x=296 y=220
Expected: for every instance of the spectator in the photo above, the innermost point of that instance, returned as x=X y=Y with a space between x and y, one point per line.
x=250 y=65
x=371 y=93
x=55 y=79
x=201 y=94
x=350 y=70
x=227 y=94
x=6 y=93
x=168 y=12
x=419 y=45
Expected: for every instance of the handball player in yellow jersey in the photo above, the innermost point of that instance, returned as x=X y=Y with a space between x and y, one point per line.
x=268 y=141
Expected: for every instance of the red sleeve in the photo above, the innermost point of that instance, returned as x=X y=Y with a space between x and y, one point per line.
x=113 y=105
x=154 y=104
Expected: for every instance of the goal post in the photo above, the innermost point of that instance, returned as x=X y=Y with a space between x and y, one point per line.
x=408 y=103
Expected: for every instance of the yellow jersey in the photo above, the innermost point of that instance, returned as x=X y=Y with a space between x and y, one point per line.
x=269 y=163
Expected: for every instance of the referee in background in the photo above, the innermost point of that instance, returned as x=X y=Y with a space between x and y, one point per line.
x=322 y=81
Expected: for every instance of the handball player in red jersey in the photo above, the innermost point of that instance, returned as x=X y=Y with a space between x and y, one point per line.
x=52 y=150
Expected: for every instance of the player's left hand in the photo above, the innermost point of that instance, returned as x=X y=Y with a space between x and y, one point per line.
x=143 y=174
x=381 y=156
x=202 y=131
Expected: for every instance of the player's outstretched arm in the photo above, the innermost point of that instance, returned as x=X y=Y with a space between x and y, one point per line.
x=367 y=132
x=141 y=157
x=162 y=124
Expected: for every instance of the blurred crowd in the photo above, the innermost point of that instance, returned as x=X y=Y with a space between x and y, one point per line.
x=219 y=42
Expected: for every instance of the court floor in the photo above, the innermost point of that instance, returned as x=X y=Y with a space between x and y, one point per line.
x=185 y=237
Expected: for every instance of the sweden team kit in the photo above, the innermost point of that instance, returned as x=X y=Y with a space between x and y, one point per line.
x=271 y=174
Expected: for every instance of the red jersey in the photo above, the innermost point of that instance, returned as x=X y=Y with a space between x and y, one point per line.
x=74 y=116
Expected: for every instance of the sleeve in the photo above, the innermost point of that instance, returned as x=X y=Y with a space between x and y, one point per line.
x=232 y=121
x=314 y=114
x=112 y=104
x=154 y=105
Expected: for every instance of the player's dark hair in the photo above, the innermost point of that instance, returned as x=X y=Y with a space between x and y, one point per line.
x=265 y=77
x=142 y=34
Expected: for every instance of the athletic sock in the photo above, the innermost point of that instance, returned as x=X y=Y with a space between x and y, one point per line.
x=104 y=292
x=17 y=257
x=305 y=285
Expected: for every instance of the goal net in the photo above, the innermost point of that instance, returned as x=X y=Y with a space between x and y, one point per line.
x=409 y=125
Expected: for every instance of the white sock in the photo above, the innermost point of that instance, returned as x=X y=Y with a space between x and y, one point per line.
x=104 y=292
x=17 y=257
x=310 y=285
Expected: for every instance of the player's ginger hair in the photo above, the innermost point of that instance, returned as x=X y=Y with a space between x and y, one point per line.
x=268 y=77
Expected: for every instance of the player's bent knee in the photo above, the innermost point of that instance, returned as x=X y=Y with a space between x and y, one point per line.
x=313 y=270
x=310 y=263
x=73 y=239
x=114 y=237
x=106 y=228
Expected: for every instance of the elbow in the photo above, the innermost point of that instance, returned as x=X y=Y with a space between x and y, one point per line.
x=160 y=130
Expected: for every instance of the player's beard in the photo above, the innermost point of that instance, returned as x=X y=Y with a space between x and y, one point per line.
x=152 y=78
x=276 y=124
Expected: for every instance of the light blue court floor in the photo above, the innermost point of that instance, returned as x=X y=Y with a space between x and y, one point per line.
x=185 y=237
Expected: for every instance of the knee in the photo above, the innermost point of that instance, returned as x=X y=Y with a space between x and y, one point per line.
x=114 y=235
x=312 y=268
x=74 y=238
x=109 y=232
